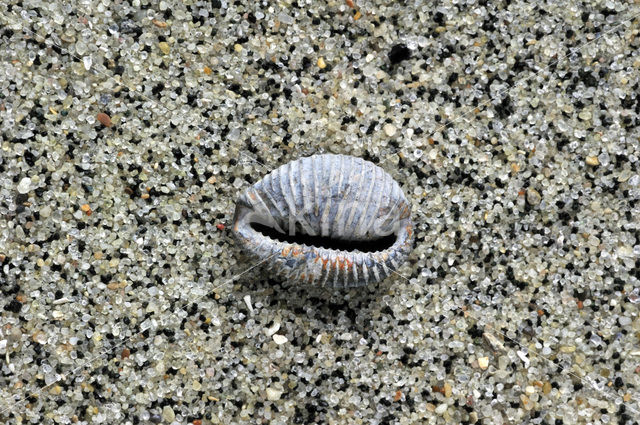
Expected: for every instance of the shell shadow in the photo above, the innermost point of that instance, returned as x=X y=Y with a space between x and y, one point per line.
x=349 y=309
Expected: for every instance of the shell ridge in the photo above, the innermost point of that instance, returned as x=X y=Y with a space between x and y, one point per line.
x=269 y=218
x=313 y=197
x=318 y=265
x=324 y=225
x=339 y=280
x=302 y=215
x=365 y=274
x=339 y=220
x=394 y=263
x=316 y=196
x=267 y=189
x=277 y=208
x=374 y=268
x=354 y=269
x=294 y=194
x=355 y=203
x=384 y=267
x=365 y=271
x=395 y=206
x=279 y=198
x=340 y=173
x=330 y=269
x=324 y=258
x=368 y=206
x=385 y=189
x=304 y=190
x=292 y=208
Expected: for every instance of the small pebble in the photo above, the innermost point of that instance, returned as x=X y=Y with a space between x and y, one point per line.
x=389 y=129
x=399 y=53
x=624 y=320
x=247 y=301
x=321 y=63
x=524 y=358
x=45 y=211
x=567 y=349
x=526 y=402
x=592 y=160
x=533 y=197
x=164 y=47
x=159 y=24
x=273 y=329
x=448 y=390
x=104 y=119
x=273 y=394
x=493 y=341
x=441 y=409
x=168 y=414
x=62 y=300
x=280 y=339
x=24 y=185
x=483 y=362
x=585 y=115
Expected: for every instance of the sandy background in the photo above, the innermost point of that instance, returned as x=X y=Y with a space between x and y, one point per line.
x=128 y=130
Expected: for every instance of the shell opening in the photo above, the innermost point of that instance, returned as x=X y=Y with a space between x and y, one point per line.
x=301 y=238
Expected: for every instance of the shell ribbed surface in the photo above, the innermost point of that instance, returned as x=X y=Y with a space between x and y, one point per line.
x=339 y=197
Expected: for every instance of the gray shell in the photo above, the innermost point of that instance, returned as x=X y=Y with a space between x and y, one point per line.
x=337 y=196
